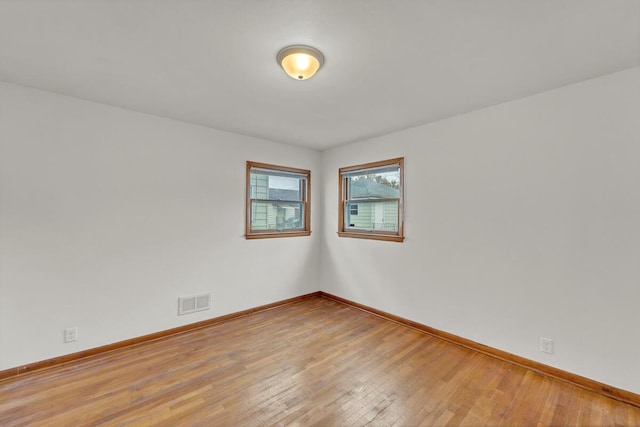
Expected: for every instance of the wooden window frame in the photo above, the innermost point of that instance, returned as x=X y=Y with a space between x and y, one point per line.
x=306 y=201
x=344 y=199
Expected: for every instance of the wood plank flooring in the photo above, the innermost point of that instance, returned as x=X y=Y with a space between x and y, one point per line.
x=314 y=362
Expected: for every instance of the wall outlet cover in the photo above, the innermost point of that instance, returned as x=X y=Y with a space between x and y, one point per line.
x=71 y=334
x=546 y=345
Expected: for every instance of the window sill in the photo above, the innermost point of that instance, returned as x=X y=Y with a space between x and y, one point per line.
x=371 y=236
x=276 y=235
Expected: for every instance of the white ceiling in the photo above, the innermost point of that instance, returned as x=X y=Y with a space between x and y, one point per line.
x=389 y=64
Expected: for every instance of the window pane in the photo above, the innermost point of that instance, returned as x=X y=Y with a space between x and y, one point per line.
x=278 y=202
x=371 y=200
x=374 y=185
x=372 y=216
x=273 y=187
x=276 y=216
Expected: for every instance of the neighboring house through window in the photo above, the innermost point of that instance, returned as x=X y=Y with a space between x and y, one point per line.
x=371 y=201
x=277 y=201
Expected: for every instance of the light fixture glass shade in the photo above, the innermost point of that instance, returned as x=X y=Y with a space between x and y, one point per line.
x=300 y=62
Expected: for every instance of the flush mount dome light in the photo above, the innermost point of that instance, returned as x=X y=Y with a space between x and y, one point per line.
x=300 y=62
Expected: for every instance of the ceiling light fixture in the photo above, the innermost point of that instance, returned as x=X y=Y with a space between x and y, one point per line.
x=300 y=62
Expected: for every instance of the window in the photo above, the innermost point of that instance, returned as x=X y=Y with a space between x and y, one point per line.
x=277 y=201
x=371 y=201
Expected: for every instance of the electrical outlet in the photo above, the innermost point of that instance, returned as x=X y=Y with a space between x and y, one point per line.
x=546 y=345
x=71 y=334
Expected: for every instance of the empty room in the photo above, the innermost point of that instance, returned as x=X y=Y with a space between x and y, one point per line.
x=319 y=213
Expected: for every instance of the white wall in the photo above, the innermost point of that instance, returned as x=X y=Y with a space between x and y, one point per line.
x=107 y=216
x=522 y=220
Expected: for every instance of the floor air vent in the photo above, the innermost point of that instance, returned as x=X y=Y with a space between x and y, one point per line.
x=194 y=303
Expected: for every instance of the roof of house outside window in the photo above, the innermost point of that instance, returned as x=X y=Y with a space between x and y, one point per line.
x=369 y=189
x=284 y=194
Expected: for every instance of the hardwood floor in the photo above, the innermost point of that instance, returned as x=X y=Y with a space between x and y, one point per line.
x=314 y=362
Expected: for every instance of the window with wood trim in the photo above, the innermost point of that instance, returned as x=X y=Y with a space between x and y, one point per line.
x=371 y=201
x=278 y=202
